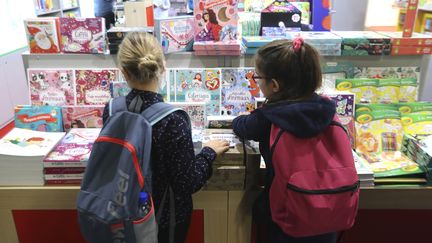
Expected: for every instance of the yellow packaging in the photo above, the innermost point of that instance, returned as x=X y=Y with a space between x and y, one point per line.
x=378 y=131
x=364 y=89
x=388 y=90
x=417 y=123
x=408 y=90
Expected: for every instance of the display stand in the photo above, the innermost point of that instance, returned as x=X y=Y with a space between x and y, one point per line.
x=226 y=214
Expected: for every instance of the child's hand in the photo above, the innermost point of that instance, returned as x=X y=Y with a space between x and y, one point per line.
x=219 y=146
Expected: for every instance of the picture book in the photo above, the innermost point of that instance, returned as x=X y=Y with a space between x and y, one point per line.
x=199 y=85
x=39 y=118
x=93 y=86
x=83 y=35
x=24 y=142
x=119 y=88
x=75 y=146
x=344 y=102
x=239 y=90
x=51 y=87
x=215 y=20
x=42 y=35
x=82 y=117
x=175 y=33
x=196 y=112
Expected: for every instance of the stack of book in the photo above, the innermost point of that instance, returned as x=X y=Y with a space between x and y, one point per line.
x=21 y=155
x=115 y=36
x=365 y=174
x=364 y=43
x=252 y=43
x=419 y=149
x=417 y=44
x=327 y=43
x=66 y=162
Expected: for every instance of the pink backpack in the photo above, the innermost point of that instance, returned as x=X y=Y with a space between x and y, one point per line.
x=316 y=188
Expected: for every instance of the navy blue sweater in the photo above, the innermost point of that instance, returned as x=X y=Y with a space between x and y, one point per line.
x=174 y=160
x=303 y=119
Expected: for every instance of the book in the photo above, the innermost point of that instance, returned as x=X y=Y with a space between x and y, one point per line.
x=51 y=87
x=21 y=155
x=417 y=39
x=42 y=35
x=239 y=91
x=119 y=88
x=215 y=21
x=175 y=33
x=199 y=85
x=75 y=146
x=93 y=85
x=39 y=118
x=83 y=35
x=82 y=117
x=196 y=112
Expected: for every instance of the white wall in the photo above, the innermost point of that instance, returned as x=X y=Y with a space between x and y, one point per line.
x=381 y=13
x=87 y=8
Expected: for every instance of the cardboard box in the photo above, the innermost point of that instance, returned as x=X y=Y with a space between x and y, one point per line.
x=281 y=11
x=410 y=50
x=139 y=14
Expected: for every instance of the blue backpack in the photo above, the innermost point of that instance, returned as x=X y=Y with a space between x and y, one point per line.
x=118 y=170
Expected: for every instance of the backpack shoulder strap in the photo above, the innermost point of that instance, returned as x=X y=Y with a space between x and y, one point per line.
x=117 y=104
x=338 y=124
x=158 y=111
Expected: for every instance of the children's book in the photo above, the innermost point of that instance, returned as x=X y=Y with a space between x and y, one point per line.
x=239 y=90
x=51 y=87
x=175 y=33
x=39 y=118
x=196 y=112
x=215 y=20
x=75 y=146
x=42 y=35
x=82 y=117
x=83 y=35
x=119 y=88
x=199 y=85
x=93 y=86
x=24 y=142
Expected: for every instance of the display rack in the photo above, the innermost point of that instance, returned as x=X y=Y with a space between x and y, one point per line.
x=57 y=8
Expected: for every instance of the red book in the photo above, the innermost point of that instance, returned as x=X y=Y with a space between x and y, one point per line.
x=410 y=18
x=410 y=50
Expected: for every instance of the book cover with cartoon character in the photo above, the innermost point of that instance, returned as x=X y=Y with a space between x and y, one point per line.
x=82 y=117
x=175 y=33
x=51 y=87
x=215 y=20
x=75 y=146
x=24 y=142
x=39 y=118
x=196 y=112
x=42 y=35
x=199 y=85
x=239 y=90
x=83 y=35
x=93 y=86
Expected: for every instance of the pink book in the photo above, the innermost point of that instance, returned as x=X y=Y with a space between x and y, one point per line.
x=215 y=20
x=51 y=87
x=75 y=146
x=83 y=35
x=93 y=86
x=82 y=117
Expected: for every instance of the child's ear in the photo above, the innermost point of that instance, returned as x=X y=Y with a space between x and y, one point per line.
x=275 y=85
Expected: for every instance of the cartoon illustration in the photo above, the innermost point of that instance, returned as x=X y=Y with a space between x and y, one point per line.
x=341 y=106
x=253 y=85
x=197 y=82
x=210 y=26
x=42 y=36
x=51 y=87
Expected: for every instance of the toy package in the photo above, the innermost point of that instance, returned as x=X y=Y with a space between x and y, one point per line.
x=39 y=118
x=387 y=72
x=199 y=85
x=375 y=107
x=93 y=86
x=364 y=43
x=388 y=90
x=332 y=71
x=419 y=123
x=364 y=89
x=327 y=43
x=83 y=35
x=239 y=91
x=82 y=117
x=378 y=131
x=51 y=87
x=408 y=91
x=415 y=107
x=175 y=33
x=42 y=35
x=281 y=14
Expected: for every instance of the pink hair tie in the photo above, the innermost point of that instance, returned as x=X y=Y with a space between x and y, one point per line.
x=297 y=44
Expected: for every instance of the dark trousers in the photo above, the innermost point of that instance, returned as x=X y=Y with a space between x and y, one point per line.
x=181 y=230
x=109 y=19
x=269 y=232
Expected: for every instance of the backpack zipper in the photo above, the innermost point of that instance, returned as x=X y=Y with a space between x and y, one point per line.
x=353 y=188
